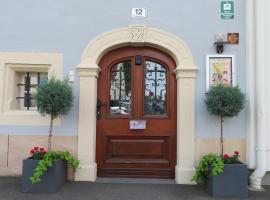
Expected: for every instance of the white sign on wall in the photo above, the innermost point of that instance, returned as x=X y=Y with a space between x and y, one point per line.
x=138 y=12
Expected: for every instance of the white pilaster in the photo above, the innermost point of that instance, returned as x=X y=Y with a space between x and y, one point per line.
x=87 y=123
x=185 y=167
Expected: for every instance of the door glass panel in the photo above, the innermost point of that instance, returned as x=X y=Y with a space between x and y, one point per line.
x=120 y=88
x=155 y=93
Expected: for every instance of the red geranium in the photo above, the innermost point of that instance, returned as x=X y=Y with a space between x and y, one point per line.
x=234 y=159
x=226 y=156
x=32 y=151
x=37 y=153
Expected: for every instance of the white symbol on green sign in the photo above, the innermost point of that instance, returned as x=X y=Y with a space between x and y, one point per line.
x=227 y=10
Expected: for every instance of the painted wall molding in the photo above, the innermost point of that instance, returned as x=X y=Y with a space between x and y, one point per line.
x=186 y=71
x=153 y=37
x=89 y=71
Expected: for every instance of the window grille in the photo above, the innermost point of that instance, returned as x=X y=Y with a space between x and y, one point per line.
x=31 y=81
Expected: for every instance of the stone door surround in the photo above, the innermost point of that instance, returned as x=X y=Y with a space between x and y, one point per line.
x=186 y=71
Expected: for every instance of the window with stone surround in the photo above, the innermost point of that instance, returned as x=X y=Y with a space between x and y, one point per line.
x=20 y=75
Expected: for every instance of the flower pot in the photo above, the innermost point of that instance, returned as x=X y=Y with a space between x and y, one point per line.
x=233 y=182
x=51 y=180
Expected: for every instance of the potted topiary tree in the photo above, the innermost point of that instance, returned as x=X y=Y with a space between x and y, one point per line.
x=224 y=101
x=45 y=171
x=231 y=178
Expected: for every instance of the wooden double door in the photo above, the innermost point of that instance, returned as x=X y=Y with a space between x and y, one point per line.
x=136 y=114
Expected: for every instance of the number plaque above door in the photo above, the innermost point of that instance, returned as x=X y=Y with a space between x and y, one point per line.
x=138 y=12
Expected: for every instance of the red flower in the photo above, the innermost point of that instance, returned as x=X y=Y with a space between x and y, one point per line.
x=236 y=152
x=32 y=151
x=41 y=149
x=226 y=156
x=36 y=148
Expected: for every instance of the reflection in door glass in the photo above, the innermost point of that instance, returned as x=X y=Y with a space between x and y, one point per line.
x=155 y=101
x=120 y=88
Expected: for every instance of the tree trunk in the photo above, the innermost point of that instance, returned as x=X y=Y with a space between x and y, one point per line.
x=50 y=134
x=221 y=135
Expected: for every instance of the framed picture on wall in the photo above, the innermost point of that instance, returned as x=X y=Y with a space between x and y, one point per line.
x=220 y=69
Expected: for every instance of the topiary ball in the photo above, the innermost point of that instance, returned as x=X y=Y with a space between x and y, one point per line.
x=54 y=97
x=225 y=101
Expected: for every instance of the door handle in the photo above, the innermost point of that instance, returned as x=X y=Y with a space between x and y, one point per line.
x=99 y=105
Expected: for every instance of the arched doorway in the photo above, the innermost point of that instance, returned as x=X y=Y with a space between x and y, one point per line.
x=185 y=73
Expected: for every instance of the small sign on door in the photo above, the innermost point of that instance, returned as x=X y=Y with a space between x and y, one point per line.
x=137 y=124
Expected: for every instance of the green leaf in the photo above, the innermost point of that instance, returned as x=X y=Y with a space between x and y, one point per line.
x=210 y=165
x=48 y=162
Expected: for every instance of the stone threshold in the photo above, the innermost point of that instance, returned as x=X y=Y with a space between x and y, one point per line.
x=135 y=180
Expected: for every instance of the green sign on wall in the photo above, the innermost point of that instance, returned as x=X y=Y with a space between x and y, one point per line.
x=227 y=10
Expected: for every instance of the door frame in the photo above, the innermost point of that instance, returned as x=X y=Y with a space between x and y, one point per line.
x=186 y=72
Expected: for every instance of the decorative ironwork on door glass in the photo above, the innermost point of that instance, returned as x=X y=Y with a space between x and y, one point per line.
x=120 y=88
x=155 y=95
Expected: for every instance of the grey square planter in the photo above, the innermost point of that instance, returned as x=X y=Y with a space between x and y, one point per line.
x=233 y=182
x=51 y=181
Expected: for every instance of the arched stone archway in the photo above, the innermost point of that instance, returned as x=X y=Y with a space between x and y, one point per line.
x=186 y=71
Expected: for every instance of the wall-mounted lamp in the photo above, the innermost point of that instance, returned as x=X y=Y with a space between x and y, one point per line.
x=220 y=46
x=220 y=41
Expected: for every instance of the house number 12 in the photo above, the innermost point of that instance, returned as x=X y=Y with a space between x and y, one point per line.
x=138 y=12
